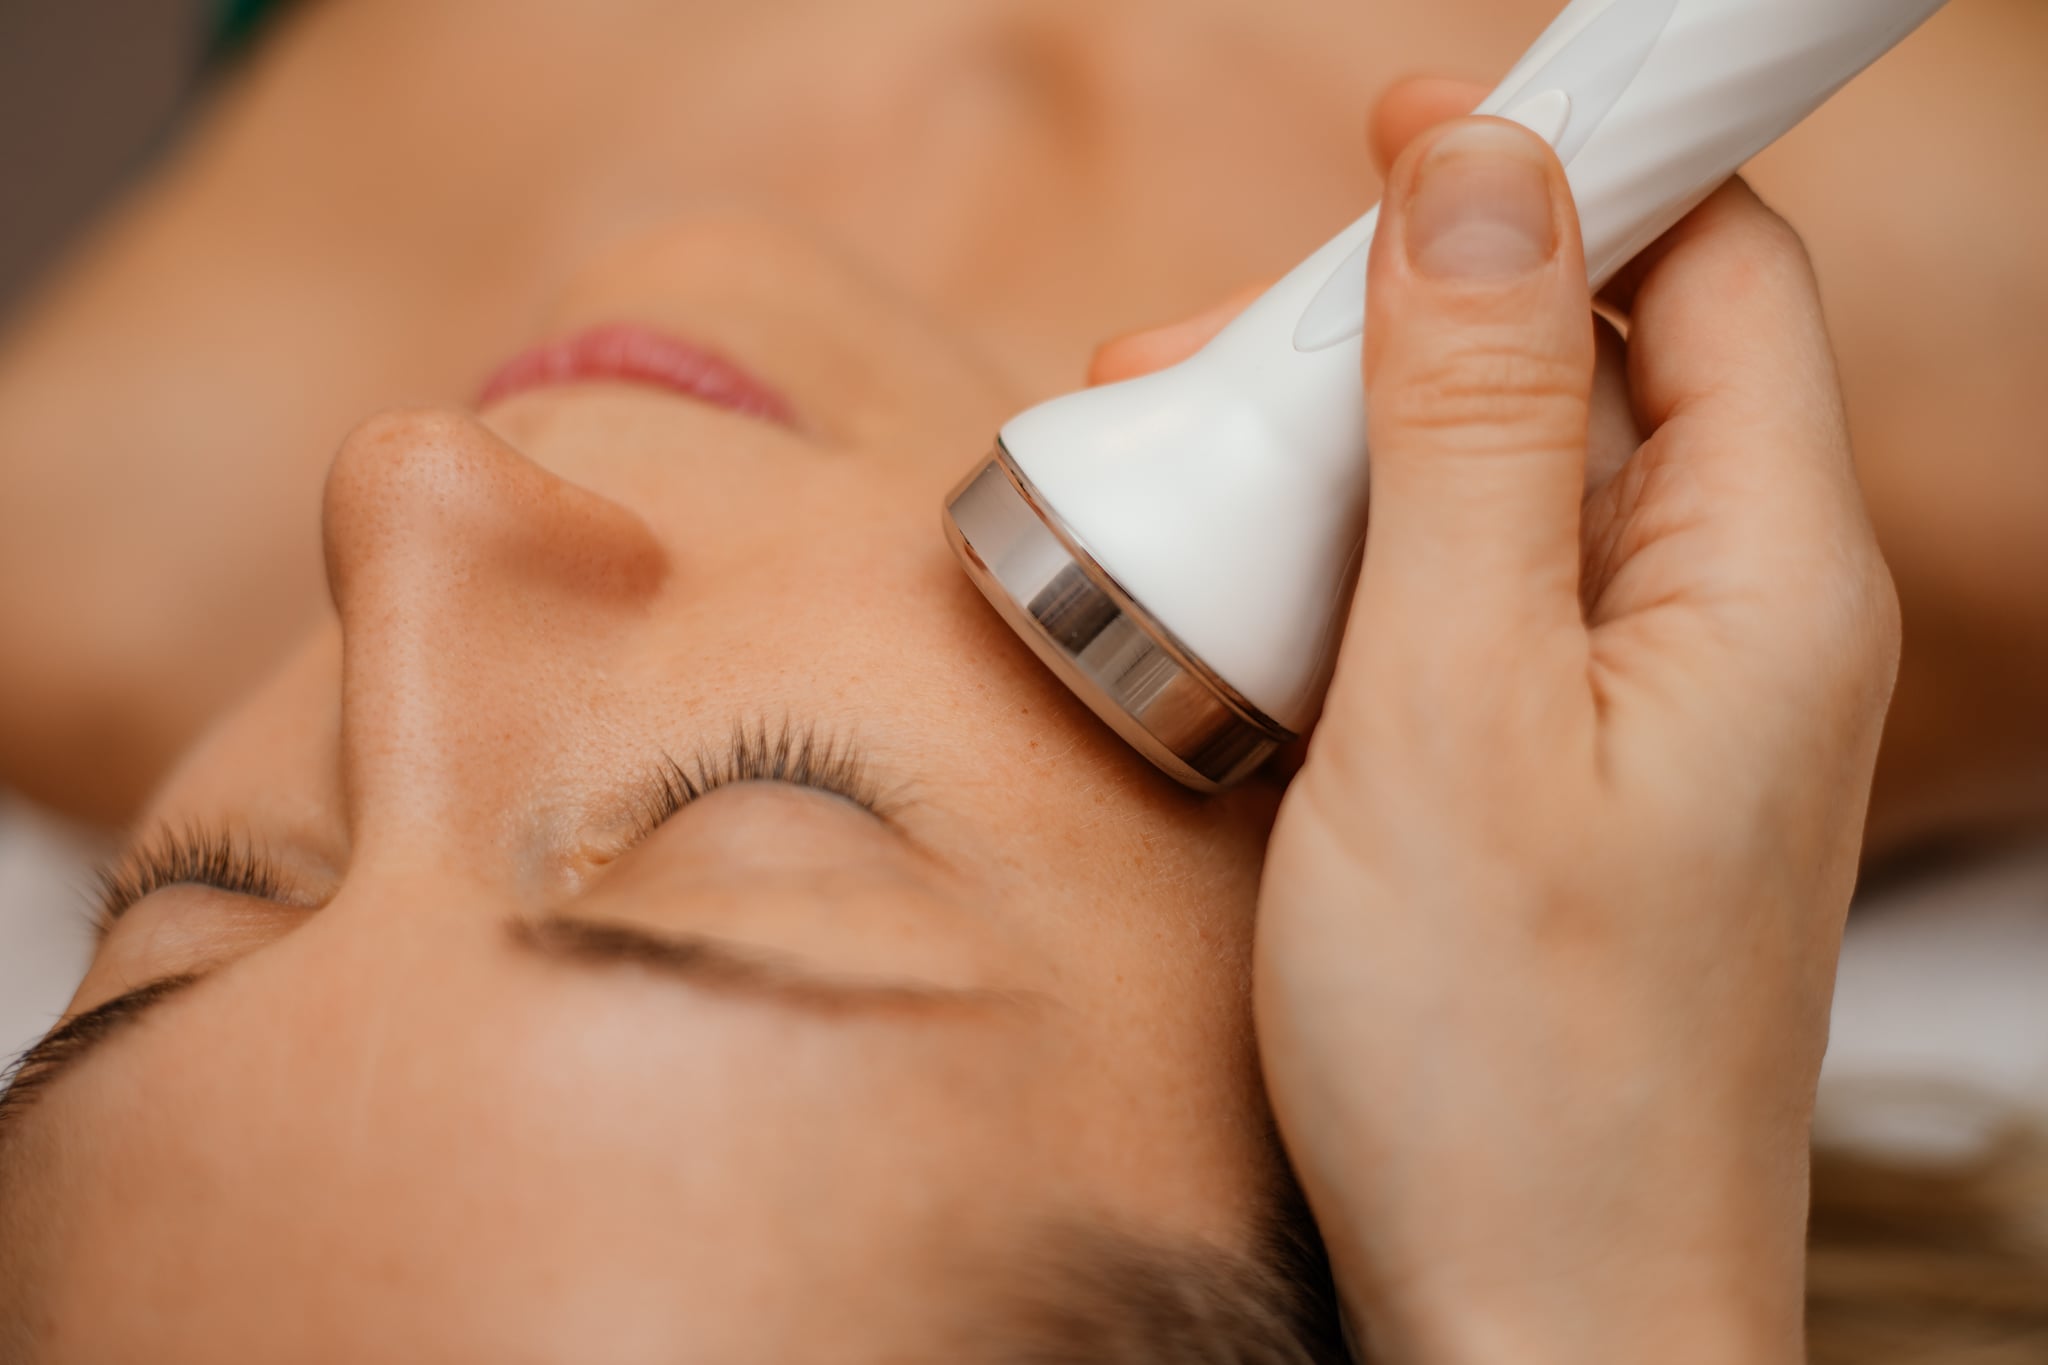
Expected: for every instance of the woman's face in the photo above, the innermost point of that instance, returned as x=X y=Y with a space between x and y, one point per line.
x=499 y=1054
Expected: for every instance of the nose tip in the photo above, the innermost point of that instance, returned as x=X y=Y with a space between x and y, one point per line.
x=437 y=492
x=478 y=594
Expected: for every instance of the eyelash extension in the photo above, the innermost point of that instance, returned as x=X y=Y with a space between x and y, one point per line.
x=187 y=855
x=799 y=755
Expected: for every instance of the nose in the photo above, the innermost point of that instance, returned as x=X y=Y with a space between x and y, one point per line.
x=483 y=603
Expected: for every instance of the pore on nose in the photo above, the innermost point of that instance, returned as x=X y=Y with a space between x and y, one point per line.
x=473 y=587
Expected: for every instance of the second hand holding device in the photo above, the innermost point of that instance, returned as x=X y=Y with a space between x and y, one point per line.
x=1178 y=548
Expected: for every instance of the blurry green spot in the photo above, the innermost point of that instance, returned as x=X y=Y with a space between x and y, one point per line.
x=236 y=21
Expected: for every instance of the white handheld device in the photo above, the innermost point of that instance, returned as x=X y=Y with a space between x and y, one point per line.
x=1178 y=547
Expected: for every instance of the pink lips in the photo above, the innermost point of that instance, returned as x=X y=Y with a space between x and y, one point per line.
x=632 y=354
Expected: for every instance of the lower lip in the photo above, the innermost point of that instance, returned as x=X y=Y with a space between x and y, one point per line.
x=627 y=353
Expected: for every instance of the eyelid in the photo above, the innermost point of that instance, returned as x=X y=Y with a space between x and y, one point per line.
x=188 y=855
x=226 y=859
x=799 y=755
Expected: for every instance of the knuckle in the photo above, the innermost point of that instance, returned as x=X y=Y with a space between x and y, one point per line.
x=1781 y=251
x=1885 y=617
x=1779 y=239
x=1762 y=251
x=1742 y=248
x=1487 y=395
x=1857 y=617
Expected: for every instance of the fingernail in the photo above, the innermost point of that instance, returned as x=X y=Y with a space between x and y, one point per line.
x=1481 y=209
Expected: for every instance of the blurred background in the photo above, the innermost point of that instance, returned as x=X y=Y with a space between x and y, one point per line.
x=89 y=92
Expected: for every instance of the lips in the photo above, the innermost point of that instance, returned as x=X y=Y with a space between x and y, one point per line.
x=629 y=353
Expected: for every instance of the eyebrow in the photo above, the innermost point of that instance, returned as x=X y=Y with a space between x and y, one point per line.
x=23 y=1082
x=725 y=965
x=704 y=961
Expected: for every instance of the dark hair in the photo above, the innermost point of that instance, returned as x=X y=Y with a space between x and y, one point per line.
x=1089 y=1296
x=1908 y=1264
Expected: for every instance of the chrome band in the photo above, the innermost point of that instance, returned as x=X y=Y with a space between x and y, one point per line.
x=1106 y=648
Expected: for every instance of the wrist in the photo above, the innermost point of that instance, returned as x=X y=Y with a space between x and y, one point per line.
x=1696 y=1314
x=1686 y=1263
x=1622 y=1335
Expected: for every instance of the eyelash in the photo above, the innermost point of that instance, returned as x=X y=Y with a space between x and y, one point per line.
x=800 y=755
x=189 y=855
x=225 y=860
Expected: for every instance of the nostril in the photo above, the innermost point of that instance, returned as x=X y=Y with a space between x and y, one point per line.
x=430 y=499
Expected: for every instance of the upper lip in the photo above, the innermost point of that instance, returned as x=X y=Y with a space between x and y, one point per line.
x=634 y=353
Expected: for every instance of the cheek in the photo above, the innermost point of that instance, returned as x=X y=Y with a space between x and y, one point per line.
x=273 y=762
x=287 y=725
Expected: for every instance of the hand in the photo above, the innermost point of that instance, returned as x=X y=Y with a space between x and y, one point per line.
x=1550 y=919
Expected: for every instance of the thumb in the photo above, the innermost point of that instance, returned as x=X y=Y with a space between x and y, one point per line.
x=1478 y=372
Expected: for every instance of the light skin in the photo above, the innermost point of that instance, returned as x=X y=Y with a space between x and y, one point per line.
x=1585 y=805
x=1038 y=174
x=1602 y=1153
x=465 y=555
x=505 y=632
x=383 y=1121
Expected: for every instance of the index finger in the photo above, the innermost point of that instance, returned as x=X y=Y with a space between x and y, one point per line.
x=1726 y=320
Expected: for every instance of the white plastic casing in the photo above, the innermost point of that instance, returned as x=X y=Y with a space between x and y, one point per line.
x=1227 y=494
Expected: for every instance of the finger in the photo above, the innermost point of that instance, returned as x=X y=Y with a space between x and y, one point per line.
x=1733 y=375
x=1612 y=436
x=1726 y=325
x=1412 y=107
x=1155 y=348
x=1479 y=370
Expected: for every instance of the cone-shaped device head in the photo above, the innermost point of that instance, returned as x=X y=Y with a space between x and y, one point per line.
x=1174 y=555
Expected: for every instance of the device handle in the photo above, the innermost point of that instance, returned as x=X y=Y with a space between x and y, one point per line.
x=1254 y=449
x=1651 y=104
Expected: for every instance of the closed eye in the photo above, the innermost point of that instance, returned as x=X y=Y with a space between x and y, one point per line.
x=797 y=755
x=194 y=855
x=225 y=859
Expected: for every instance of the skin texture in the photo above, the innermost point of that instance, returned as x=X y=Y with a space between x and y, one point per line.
x=517 y=1156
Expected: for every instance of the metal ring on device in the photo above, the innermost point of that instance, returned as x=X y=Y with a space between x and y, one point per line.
x=1110 y=651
